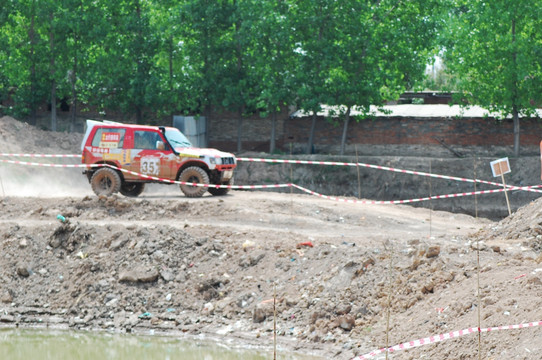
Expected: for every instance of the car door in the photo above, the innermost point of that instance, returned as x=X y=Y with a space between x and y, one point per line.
x=149 y=154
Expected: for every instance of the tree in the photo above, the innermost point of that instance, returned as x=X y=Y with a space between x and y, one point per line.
x=5 y=11
x=25 y=62
x=495 y=50
x=363 y=53
x=273 y=65
x=314 y=27
x=205 y=30
x=221 y=52
x=123 y=72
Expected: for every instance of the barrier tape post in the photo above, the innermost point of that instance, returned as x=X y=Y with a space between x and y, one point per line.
x=2 y=184
x=479 y=310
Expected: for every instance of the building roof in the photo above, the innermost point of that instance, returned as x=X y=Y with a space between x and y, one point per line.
x=410 y=110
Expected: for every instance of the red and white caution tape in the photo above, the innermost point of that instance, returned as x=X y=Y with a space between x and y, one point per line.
x=27 y=163
x=442 y=337
x=330 y=163
x=386 y=168
x=533 y=188
x=145 y=176
x=42 y=155
x=272 y=186
x=245 y=187
x=407 y=201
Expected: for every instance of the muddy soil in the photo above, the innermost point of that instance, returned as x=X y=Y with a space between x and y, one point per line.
x=346 y=276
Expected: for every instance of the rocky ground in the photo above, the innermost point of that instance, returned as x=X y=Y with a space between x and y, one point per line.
x=346 y=276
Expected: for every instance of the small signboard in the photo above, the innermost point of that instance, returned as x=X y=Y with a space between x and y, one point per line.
x=500 y=167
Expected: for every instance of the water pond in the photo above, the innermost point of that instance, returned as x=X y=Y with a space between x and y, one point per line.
x=17 y=344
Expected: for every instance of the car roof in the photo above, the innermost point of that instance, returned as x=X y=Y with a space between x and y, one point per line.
x=91 y=124
x=114 y=124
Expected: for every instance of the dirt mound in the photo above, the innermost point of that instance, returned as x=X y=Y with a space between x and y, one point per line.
x=21 y=180
x=523 y=227
x=16 y=136
x=211 y=265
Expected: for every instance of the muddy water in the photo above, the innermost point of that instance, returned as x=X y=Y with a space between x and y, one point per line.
x=59 y=345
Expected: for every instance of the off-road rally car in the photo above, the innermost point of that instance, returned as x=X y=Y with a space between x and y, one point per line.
x=157 y=151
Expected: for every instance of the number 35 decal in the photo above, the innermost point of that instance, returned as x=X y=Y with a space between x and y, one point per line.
x=150 y=165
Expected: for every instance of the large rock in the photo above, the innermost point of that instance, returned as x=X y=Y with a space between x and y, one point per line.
x=345 y=322
x=23 y=271
x=5 y=296
x=139 y=275
x=432 y=251
x=262 y=311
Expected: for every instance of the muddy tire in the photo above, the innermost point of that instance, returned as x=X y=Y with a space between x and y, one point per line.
x=194 y=174
x=105 y=182
x=221 y=191
x=132 y=189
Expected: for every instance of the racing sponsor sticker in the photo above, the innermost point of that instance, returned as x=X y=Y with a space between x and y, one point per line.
x=110 y=140
x=99 y=150
x=123 y=157
x=184 y=155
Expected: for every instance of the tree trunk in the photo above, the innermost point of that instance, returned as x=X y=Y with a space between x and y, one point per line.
x=31 y=35
x=272 y=143
x=345 y=130
x=53 y=105
x=53 y=82
x=239 y=132
x=311 y=133
x=171 y=49
x=139 y=115
x=515 y=111
x=73 y=79
x=515 y=116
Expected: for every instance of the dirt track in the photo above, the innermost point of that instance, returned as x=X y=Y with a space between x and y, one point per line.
x=186 y=267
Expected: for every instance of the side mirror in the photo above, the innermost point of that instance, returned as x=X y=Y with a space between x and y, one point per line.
x=160 y=145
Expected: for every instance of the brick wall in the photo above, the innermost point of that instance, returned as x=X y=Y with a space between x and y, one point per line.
x=381 y=131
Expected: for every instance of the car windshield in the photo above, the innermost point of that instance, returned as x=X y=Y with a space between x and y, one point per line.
x=177 y=139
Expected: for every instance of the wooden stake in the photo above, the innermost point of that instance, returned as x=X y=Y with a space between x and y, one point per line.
x=430 y=201
x=506 y=195
x=390 y=289
x=291 y=181
x=2 y=183
x=475 y=196
x=274 y=322
x=479 y=300
x=359 y=177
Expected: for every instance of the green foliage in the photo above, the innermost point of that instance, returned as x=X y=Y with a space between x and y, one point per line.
x=145 y=57
x=494 y=48
x=359 y=53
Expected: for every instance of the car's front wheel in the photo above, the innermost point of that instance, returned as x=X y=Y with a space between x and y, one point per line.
x=105 y=182
x=132 y=189
x=221 y=191
x=193 y=174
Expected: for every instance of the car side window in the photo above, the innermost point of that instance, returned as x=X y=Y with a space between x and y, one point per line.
x=146 y=139
x=109 y=138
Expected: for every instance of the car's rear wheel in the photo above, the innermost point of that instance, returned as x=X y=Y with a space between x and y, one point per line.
x=105 y=182
x=132 y=189
x=194 y=174
x=221 y=191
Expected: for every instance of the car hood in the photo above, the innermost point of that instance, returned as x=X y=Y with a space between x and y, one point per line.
x=198 y=152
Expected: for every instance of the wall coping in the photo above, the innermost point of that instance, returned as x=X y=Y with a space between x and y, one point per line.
x=410 y=110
